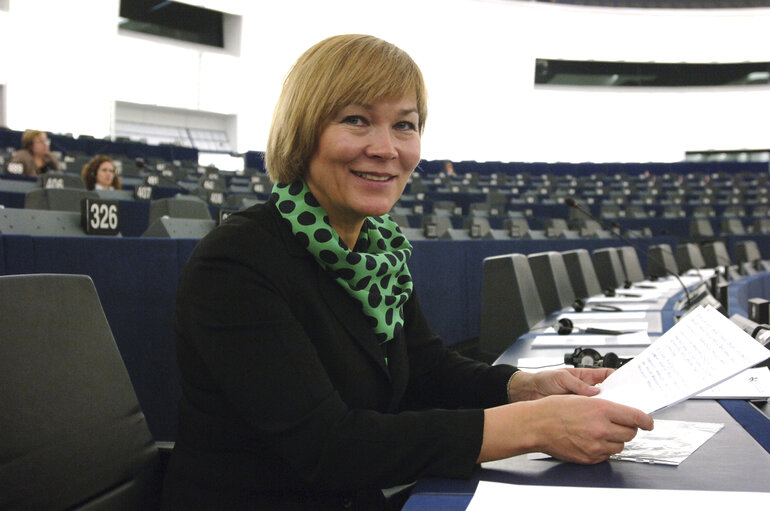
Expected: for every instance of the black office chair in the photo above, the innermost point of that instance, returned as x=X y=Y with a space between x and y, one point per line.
x=73 y=435
x=582 y=274
x=629 y=260
x=661 y=261
x=688 y=256
x=179 y=207
x=747 y=255
x=553 y=283
x=715 y=254
x=58 y=199
x=510 y=303
x=608 y=268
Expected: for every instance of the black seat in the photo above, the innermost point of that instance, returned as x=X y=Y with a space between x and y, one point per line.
x=688 y=256
x=553 y=283
x=74 y=436
x=581 y=273
x=510 y=304
x=609 y=268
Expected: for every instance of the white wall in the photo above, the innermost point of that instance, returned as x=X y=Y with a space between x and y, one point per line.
x=477 y=56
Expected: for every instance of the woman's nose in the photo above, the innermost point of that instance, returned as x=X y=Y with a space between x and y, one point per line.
x=381 y=144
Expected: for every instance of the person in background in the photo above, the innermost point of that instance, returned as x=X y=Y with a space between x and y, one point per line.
x=311 y=379
x=35 y=154
x=100 y=174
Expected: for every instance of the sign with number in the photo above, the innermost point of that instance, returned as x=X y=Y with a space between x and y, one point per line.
x=15 y=168
x=143 y=192
x=54 y=182
x=152 y=180
x=99 y=216
x=216 y=197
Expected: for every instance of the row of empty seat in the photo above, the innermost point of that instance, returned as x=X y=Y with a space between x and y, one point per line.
x=559 y=279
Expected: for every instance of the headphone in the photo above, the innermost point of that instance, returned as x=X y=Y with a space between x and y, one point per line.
x=565 y=327
x=588 y=357
x=579 y=304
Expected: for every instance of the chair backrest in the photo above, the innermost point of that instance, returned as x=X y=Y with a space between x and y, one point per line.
x=73 y=435
x=436 y=226
x=689 y=255
x=747 y=252
x=715 y=254
x=608 y=268
x=185 y=228
x=732 y=226
x=552 y=280
x=510 y=303
x=661 y=261
x=179 y=207
x=582 y=274
x=629 y=260
x=701 y=228
x=516 y=227
x=57 y=199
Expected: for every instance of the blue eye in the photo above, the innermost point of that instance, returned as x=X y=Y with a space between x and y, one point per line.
x=405 y=126
x=355 y=120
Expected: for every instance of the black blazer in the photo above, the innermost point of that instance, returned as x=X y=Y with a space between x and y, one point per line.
x=287 y=400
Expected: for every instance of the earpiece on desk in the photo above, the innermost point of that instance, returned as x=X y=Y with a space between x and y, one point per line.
x=580 y=304
x=565 y=327
x=589 y=357
x=609 y=292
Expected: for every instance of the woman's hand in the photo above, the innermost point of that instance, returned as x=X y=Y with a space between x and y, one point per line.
x=568 y=427
x=525 y=386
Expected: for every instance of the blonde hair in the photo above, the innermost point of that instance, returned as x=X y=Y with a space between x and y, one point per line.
x=332 y=74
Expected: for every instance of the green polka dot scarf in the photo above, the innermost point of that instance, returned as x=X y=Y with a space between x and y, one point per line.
x=374 y=273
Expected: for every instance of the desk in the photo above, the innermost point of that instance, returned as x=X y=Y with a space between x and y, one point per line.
x=732 y=460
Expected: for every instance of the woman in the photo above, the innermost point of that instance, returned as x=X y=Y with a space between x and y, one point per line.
x=310 y=377
x=35 y=154
x=99 y=174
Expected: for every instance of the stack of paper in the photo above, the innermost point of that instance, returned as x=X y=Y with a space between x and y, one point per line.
x=703 y=349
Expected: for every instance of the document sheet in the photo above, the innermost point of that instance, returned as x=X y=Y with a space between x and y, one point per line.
x=491 y=496
x=702 y=350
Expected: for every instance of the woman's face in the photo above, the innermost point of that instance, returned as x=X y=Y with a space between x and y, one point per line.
x=40 y=145
x=105 y=174
x=363 y=159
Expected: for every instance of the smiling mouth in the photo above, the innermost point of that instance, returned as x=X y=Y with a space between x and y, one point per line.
x=372 y=177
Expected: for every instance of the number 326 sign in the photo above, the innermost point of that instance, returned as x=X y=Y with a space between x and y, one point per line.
x=99 y=216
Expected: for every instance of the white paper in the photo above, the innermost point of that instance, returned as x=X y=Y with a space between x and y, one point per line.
x=604 y=316
x=592 y=340
x=703 y=349
x=624 y=306
x=669 y=443
x=750 y=384
x=620 y=326
x=492 y=496
x=537 y=364
x=612 y=300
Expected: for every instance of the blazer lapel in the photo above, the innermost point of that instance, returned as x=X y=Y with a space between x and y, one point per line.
x=344 y=307
x=348 y=312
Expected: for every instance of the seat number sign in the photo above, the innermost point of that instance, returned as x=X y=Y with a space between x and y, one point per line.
x=99 y=216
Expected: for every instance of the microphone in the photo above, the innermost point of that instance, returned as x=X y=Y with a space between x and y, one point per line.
x=571 y=202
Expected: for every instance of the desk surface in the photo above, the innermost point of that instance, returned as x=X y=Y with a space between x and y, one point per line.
x=732 y=460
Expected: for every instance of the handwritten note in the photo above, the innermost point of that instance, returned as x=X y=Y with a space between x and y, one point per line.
x=702 y=350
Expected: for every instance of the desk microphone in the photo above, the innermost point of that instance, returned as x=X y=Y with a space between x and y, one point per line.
x=571 y=202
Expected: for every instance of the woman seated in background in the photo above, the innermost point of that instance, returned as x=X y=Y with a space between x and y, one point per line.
x=310 y=377
x=35 y=154
x=99 y=174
